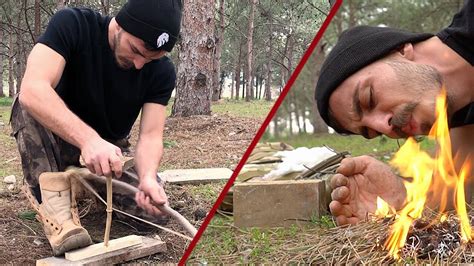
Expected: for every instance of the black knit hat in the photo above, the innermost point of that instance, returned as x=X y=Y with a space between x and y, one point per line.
x=355 y=49
x=156 y=22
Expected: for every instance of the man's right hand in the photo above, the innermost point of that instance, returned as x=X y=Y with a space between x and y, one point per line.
x=102 y=157
x=356 y=186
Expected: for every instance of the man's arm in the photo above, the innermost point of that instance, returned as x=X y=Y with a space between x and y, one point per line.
x=39 y=98
x=148 y=155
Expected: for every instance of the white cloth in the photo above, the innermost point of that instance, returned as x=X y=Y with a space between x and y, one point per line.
x=296 y=160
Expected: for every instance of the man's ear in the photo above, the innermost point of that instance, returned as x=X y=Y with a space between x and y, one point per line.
x=407 y=51
x=116 y=26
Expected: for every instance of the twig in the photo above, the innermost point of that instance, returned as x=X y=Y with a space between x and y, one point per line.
x=10 y=160
x=355 y=251
x=91 y=189
x=25 y=226
x=127 y=224
x=108 y=222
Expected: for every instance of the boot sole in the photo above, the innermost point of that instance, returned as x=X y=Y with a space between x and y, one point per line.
x=71 y=242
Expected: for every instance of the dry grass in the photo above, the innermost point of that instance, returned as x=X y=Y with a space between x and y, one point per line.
x=314 y=244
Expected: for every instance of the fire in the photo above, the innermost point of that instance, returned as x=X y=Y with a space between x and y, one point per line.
x=431 y=176
x=383 y=208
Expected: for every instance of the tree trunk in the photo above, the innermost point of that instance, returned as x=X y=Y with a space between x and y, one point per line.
x=319 y=126
x=218 y=54
x=193 y=93
x=352 y=14
x=268 y=81
x=11 y=77
x=276 y=132
x=1 y=59
x=244 y=85
x=249 y=86
x=37 y=19
x=291 y=45
x=305 y=129
x=283 y=66
x=257 y=87
x=290 y=122
x=19 y=51
x=221 y=84
x=232 y=82
x=316 y=60
x=237 y=72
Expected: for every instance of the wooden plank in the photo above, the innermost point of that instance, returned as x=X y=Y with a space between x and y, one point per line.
x=278 y=203
x=100 y=248
x=148 y=247
x=196 y=176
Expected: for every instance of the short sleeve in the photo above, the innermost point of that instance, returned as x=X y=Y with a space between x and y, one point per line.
x=163 y=82
x=63 y=32
x=460 y=34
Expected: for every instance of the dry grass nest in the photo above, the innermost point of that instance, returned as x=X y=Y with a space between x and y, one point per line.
x=433 y=243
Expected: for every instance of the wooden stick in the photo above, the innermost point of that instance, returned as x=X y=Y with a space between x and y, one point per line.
x=86 y=174
x=108 y=223
x=91 y=189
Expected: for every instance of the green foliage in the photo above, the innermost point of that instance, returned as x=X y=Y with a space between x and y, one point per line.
x=324 y=221
x=251 y=245
x=218 y=238
x=27 y=215
x=289 y=26
x=255 y=109
x=261 y=243
x=6 y=101
x=412 y=15
x=169 y=143
x=208 y=192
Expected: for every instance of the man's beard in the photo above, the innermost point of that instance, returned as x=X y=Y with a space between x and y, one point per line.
x=121 y=61
x=422 y=79
x=402 y=118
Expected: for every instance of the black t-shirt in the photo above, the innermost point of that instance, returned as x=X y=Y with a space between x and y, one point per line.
x=459 y=36
x=93 y=86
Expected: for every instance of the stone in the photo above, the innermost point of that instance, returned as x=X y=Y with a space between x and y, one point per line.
x=11 y=179
x=38 y=242
x=11 y=187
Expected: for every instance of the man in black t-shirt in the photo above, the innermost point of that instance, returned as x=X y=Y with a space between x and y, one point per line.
x=385 y=81
x=85 y=83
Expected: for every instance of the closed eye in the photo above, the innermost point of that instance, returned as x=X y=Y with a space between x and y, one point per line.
x=371 y=99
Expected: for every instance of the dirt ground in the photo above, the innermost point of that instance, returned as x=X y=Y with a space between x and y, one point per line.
x=194 y=142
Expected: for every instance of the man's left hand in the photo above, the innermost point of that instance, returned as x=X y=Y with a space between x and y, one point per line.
x=150 y=191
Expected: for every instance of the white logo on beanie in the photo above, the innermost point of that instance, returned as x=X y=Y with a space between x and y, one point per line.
x=164 y=38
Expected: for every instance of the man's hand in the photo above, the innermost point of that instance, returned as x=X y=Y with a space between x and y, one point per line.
x=356 y=186
x=150 y=190
x=102 y=157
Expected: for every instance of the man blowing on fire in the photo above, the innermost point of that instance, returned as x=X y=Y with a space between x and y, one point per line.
x=385 y=81
x=86 y=81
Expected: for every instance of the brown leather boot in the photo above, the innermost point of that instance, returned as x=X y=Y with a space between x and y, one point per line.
x=59 y=214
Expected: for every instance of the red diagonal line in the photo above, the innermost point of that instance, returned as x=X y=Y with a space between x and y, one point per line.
x=261 y=130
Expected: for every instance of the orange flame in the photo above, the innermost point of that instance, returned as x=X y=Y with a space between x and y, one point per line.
x=382 y=208
x=434 y=177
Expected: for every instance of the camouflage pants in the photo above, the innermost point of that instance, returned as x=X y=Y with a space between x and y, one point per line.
x=42 y=151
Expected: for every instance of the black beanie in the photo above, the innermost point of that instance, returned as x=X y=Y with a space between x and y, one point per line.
x=355 y=49
x=156 y=22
